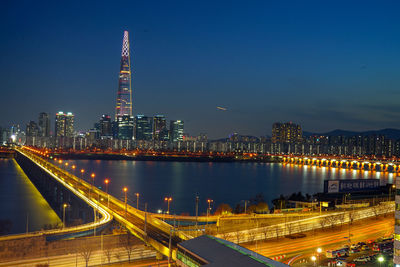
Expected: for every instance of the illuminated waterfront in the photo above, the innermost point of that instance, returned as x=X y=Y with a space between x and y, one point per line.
x=228 y=183
x=20 y=199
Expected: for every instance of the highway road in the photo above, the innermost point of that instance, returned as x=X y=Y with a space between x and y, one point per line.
x=326 y=239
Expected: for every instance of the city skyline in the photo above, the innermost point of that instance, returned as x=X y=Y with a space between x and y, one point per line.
x=262 y=64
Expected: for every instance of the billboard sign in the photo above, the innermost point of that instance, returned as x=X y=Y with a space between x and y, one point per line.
x=350 y=185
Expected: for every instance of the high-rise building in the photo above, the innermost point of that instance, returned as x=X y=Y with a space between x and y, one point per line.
x=59 y=130
x=125 y=127
x=32 y=129
x=105 y=126
x=64 y=125
x=160 y=131
x=69 y=125
x=123 y=110
x=176 y=130
x=143 y=128
x=286 y=133
x=44 y=124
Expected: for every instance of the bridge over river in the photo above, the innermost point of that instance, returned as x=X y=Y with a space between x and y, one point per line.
x=153 y=231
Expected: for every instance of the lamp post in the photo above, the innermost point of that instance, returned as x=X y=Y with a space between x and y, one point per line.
x=137 y=200
x=380 y=260
x=390 y=191
x=106 y=181
x=319 y=250
x=168 y=199
x=126 y=199
x=313 y=259
x=209 y=201
x=64 y=206
x=91 y=188
x=82 y=171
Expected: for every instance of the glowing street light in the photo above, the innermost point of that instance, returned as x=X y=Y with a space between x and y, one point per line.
x=106 y=181
x=168 y=199
x=91 y=189
x=64 y=206
x=137 y=200
x=380 y=260
x=313 y=259
x=319 y=250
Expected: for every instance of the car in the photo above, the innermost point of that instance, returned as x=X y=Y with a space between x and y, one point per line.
x=365 y=247
x=354 y=246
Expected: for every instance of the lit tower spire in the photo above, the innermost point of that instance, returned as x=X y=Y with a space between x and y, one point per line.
x=124 y=97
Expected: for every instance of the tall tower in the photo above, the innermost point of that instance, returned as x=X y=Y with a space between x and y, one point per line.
x=123 y=110
x=124 y=97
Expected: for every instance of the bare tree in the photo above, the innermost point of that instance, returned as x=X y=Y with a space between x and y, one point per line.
x=251 y=236
x=266 y=231
x=289 y=228
x=226 y=235
x=85 y=251
x=128 y=243
x=352 y=216
x=277 y=229
x=322 y=222
x=341 y=217
x=108 y=248
x=238 y=236
x=376 y=210
x=331 y=220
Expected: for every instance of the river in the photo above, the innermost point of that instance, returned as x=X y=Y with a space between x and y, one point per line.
x=20 y=202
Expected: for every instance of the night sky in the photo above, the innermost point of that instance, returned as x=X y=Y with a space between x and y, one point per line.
x=322 y=64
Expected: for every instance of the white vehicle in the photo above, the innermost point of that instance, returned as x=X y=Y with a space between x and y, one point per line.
x=337 y=253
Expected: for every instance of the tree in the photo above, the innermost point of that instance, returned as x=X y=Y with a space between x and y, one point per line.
x=223 y=209
x=261 y=207
x=341 y=217
x=128 y=243
x=277 y=230
x=226 y=236
x=352 y=216
x=108 y=248
x=85 y=251
x=322 y=222
x=251 y=236
x=238 y=236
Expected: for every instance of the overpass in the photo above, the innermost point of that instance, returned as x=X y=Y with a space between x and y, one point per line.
x=348 y=163
x=153 y=231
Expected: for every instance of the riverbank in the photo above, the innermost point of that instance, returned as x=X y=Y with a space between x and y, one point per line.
x=166 y=157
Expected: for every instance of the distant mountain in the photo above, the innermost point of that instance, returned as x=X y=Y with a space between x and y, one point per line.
x=389 y=133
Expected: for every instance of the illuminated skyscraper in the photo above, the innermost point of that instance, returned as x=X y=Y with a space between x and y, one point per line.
x=124 y=97
x=60 y=124
x=143 y=128
x=286 y=133
x=64 y=126
x=160 y=131
x=123 y=110
x=176 y=129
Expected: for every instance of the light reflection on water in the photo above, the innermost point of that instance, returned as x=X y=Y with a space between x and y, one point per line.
x=20 y=199
x=223 y=182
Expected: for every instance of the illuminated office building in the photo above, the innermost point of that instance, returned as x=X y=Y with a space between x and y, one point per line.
x=286 y=133
x=176 y=130
x=143 y=128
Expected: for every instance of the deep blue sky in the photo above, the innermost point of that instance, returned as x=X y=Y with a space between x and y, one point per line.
x=323 y=64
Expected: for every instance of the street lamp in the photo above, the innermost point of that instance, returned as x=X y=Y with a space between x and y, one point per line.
x=137 y=200
x=209 y=201
x=82 y=171
x=64 y=206
x=92 y=175
x=319 y=250
x=106 y=181
x=168 y=199
x=313 y=259
x=380 y=260
x=126 y=199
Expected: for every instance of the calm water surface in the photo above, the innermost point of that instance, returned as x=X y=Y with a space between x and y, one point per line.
x=20 y=199
x=223 y=182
